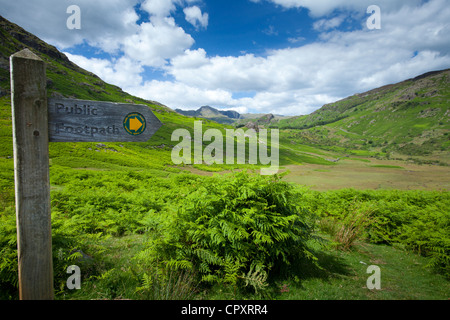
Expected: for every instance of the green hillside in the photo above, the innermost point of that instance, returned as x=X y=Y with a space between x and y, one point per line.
x=411 y=118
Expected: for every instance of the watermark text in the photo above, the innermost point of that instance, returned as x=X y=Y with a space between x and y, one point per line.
x=234 y=153
x=374 y=21
x=74 y=20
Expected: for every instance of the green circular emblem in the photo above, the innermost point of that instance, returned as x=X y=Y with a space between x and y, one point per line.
x=134 y=123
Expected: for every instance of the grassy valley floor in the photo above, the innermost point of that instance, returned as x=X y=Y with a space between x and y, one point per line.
x=370 y=174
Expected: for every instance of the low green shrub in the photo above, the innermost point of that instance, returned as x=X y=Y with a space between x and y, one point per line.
x=236 y=229
x=419 y=220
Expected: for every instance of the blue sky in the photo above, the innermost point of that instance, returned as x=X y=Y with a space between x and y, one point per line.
x=280 y=56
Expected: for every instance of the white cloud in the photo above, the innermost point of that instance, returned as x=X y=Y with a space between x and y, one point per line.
x=320 y=8
x=270 y=31
x=295 y=102
x=296 y=39
x=195 y=17
x=103 y=23
x=299 y=80
x=108 y=25
x=243 y=73
x=122 y=72
x=326 y=24
x=180 y=95
x=157 y=41
x=159 y=8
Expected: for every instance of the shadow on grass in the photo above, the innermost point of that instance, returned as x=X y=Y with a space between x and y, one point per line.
x=327 y=267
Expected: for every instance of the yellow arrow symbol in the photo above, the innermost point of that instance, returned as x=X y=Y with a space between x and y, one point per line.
x=135 y=124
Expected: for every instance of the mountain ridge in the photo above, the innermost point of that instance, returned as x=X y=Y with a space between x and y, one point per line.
x=408 y=118
x=209 y=112
x=227 y=116
x=353 y=102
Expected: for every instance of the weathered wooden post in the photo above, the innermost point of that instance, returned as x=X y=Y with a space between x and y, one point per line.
x=31 y=169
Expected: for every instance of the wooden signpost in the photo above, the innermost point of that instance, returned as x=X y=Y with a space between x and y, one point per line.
x=98 y=121
x=37 y=121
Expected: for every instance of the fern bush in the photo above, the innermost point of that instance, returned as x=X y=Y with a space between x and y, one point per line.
x=428 y=234
x=353 y=227
x=237 y=229
x=66 y=240
x=418 y=220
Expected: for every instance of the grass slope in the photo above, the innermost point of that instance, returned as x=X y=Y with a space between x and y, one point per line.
x=411 y=118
